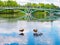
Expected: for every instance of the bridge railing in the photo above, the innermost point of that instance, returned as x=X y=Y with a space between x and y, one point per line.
x=25 y=7
x=29 y=7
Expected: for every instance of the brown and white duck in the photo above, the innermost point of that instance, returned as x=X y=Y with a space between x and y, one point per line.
x=21 y=30
x=35 y=30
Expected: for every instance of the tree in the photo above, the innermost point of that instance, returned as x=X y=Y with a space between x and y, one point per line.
x=1 y=3
x=28 y=4
x=53 y=6
x=47 y=6
x=11 y=3
x=41 y=5
x=34 y=5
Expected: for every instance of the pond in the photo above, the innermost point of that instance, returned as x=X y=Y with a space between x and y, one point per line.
x=9 y=32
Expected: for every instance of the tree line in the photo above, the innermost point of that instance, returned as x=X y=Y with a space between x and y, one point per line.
x=11 y=3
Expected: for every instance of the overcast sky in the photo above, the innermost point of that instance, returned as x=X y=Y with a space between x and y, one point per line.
x=56 y=2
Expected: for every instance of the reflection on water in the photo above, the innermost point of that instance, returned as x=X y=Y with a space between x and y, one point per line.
x=9 y=33
x=10 y=39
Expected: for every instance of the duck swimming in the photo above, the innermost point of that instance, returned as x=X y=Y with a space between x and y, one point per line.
x=21 y=30
x=36 y=33
x=35 y=30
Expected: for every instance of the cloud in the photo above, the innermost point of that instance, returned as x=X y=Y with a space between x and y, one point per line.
x=8 y=40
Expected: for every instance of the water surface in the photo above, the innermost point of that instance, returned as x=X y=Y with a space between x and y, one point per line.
x=9 y=32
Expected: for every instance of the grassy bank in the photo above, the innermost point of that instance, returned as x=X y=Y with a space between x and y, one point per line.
x=40 y=14
x=11 y=15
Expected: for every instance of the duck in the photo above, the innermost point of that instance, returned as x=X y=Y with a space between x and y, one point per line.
x=21 y=30
x=35 y=30
x=36 y=33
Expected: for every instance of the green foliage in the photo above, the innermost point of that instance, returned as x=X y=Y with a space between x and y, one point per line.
x=47 y=6
x=1 y=3
x=9 y=11
x=40 y=14
x=11 y=3
x=41 y=5
x=11 y=15
x=8 y=3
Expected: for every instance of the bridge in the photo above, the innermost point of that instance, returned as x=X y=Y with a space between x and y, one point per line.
x=29 y=10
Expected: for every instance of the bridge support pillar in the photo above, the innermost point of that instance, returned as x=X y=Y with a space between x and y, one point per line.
x=28 y=16
x=45 y=14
